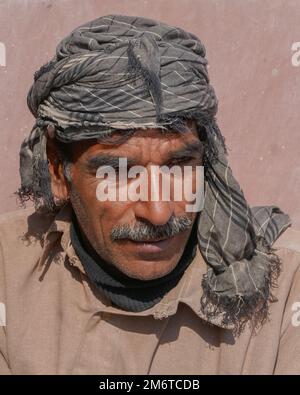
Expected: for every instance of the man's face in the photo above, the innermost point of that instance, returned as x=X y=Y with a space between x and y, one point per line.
x=140 y=259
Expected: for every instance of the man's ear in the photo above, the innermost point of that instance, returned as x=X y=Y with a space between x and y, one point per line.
x=59 y=185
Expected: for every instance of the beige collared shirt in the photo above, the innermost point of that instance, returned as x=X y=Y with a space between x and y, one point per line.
x=54 y=321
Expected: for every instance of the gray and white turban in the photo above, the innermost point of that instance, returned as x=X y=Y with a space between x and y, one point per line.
x=121 y=73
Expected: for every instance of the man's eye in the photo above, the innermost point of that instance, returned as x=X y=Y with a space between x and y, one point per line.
x=124 y=169
x=181 y=161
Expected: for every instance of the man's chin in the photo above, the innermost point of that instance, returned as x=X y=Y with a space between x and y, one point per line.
x=147 y=270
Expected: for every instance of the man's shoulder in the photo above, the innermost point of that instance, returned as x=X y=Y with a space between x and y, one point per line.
x=287 y=248
x=15 y=217
x=289 y=240
x=24 y=222
x=21 y=232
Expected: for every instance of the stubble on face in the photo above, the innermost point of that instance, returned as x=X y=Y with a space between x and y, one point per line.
x=98 y=219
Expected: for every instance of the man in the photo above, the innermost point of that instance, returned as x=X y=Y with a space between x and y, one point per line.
x=140 y=285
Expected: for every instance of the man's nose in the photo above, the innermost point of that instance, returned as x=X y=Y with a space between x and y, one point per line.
x=156 y=209
x=154 y=212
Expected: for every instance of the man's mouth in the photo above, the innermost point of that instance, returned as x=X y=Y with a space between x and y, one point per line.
x=150 y=241
x=151 y=246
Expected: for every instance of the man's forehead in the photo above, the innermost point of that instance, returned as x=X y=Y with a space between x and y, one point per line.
x=141 y=141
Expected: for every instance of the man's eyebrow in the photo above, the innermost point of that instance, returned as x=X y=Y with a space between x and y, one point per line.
x=188 y=150
x=96 y=161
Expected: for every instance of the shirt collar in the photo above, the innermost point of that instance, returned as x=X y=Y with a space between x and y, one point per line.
x=188 y=290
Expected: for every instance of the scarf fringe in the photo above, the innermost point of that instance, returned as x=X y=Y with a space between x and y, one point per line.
x=242 y=310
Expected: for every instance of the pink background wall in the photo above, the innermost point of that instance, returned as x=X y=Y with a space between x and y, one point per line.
x=254 y=67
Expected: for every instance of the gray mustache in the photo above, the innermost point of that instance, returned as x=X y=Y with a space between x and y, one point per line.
x=149 y=232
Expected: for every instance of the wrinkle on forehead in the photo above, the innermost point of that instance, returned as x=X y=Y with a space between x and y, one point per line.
x=150 y=145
